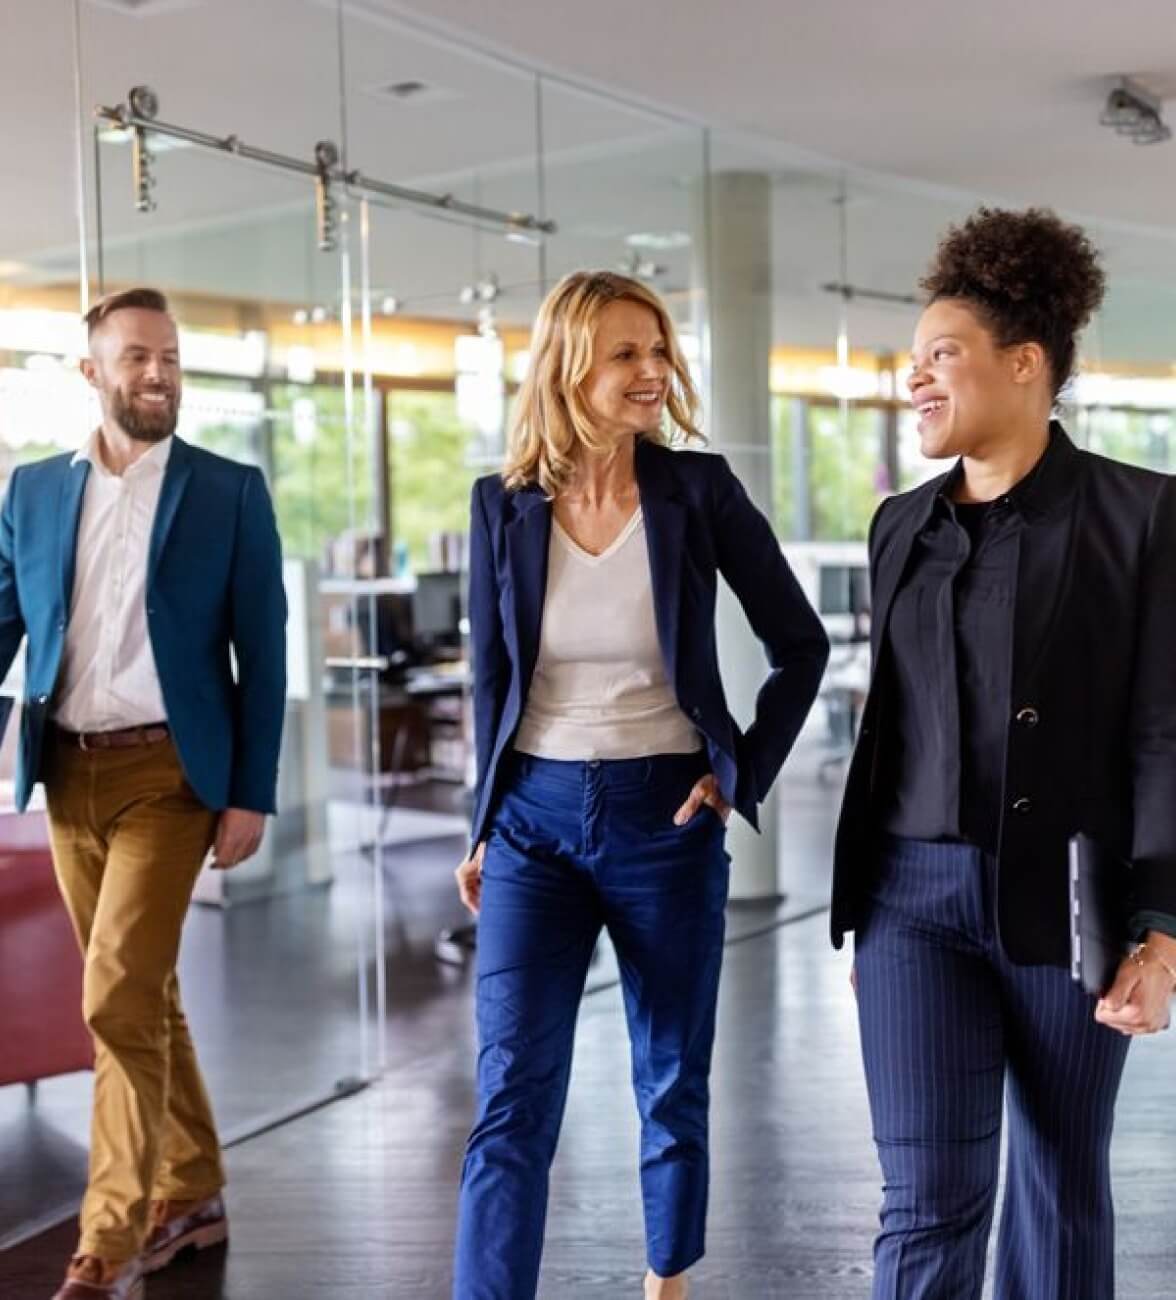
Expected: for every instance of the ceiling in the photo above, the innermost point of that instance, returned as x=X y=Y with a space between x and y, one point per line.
x=924 y=110
x=1001 y=98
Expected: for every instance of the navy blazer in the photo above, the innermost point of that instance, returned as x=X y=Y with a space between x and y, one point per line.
x=698 y=523
x=214 y=583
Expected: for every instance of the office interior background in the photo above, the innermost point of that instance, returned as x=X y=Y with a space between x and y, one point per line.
x=780 y=175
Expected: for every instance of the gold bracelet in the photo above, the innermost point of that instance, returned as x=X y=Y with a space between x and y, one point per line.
x=1136 y=956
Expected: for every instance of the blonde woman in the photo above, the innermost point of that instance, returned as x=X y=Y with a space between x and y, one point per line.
x=608 y=762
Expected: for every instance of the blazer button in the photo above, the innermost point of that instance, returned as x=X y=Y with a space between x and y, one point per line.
x=695 y=712
x=1028 y=717
x=42 y=699
x=1022 y=805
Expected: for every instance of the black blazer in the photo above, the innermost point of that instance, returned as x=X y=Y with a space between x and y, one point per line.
x=698 y=523
x=1091 y=727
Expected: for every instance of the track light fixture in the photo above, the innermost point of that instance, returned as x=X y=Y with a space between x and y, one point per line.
x=640 y=268
x=485 y=290
x=1135 y=113
x=487 y=321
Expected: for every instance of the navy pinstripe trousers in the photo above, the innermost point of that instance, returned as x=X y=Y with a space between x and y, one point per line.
x=947 y=1021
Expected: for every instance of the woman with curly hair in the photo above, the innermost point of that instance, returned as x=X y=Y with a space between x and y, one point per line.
x=1024 y=689
x=608 y=762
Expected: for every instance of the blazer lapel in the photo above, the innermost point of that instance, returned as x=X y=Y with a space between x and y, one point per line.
x=1045 y=569
x=73 y=492
x=665 y=533
x=175 y=480
x=891 y=567
x=528 y=536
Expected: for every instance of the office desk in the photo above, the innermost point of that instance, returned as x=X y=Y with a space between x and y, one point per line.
x=416 y=725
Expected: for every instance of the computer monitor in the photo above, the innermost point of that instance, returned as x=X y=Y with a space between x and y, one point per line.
x=367 y=623
x=844 y=589
x=394 y=629
x=436 y=609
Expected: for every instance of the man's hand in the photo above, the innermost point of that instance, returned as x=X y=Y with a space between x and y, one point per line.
x=238 y=834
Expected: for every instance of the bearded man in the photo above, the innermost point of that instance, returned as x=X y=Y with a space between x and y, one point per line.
x=141 y=569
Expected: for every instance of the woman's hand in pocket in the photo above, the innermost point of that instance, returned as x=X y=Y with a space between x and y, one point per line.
x=469 y=879
x=706 y=791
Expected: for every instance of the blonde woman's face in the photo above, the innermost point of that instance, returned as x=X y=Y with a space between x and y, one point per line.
x=627 y=386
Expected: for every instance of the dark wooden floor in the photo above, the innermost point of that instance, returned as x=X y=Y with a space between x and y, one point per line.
x=357 y=1200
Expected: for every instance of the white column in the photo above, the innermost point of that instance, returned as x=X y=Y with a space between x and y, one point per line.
x=735 y=246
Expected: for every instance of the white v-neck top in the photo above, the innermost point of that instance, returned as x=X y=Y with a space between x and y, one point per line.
x=599 y=690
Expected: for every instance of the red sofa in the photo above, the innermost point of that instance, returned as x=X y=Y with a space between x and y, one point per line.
x=41 y=1028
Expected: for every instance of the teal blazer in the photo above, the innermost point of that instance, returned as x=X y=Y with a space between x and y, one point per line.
x=214 y=593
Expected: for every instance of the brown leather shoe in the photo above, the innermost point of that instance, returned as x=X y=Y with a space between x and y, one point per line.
x=183 y=1225
x=91 y=1278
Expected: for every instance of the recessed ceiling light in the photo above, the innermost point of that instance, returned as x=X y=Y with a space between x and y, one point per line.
x=660 y=241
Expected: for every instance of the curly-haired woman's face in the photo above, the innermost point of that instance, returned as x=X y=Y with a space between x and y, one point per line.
x=627 y=385
x=961 y=383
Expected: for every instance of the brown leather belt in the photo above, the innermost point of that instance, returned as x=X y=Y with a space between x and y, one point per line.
x=124 y=738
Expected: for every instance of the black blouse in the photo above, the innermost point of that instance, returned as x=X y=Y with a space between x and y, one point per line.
x=949 y=651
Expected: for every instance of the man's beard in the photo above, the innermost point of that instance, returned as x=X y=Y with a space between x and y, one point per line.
x=146 y=424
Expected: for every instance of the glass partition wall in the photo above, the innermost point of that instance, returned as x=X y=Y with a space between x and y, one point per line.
x=363 y=347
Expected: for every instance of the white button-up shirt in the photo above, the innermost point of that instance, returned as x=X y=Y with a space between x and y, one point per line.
x=108 y=678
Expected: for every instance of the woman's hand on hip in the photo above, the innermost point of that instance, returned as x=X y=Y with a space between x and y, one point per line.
x=1138 y=1001
x=469 y=879
x=706 y=791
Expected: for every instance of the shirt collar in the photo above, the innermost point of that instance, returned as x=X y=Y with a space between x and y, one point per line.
x=1046 y=485
x=154 y=458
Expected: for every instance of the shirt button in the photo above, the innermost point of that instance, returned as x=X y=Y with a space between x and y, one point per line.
x=1022 y=805
x=1028 y=716
x=42 y=699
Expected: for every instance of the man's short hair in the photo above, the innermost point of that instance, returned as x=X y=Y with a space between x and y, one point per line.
x=147 y=299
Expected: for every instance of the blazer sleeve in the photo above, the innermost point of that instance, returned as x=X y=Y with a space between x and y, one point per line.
x=1153 y=715
x=12 y=624
x=258 y=630
x=750 y=559
x=490 y=666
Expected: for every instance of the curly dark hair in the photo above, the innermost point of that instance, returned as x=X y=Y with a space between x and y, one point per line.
x=1030 y=275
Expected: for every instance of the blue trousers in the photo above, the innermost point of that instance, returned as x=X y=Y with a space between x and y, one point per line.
x=948 y=1026
x=576 y=847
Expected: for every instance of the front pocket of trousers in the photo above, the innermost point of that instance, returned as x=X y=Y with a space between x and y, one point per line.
x=534 y=817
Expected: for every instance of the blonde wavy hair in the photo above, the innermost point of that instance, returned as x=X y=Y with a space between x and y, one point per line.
x=551 y=420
